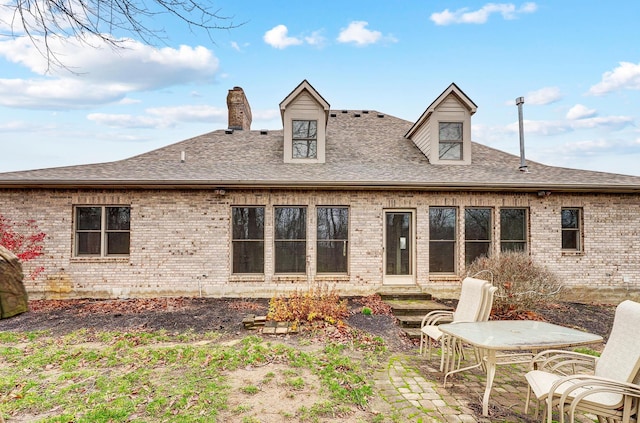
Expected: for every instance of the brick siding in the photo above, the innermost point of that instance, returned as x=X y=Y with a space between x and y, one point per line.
x=181 y=241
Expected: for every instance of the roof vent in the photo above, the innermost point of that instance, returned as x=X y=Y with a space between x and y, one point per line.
x=333 y=115
x=228 y=131
x=356 y=115
x=345 y=111
x=380 y=115
x=263 y=132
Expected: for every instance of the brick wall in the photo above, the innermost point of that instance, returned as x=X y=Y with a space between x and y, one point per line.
x=180 y=241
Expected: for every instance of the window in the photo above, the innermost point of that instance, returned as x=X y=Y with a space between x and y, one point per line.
x=102 y=231
x=248 y=239
x=305 y=139
x=450 y=138
x=442 y=239
x=290 y=229
x=477 y=234
x=571 y=229
x=513 y=230
x=333 y=239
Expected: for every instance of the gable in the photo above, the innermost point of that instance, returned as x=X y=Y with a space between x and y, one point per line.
x=452 y=107
x=304 y=111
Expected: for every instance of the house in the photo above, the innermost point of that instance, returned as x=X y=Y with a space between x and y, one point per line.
x=358 y=199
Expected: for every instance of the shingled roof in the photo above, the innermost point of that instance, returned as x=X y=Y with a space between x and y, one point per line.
x=365 y=150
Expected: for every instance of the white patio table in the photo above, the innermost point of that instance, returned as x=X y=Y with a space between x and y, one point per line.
x=512 y=335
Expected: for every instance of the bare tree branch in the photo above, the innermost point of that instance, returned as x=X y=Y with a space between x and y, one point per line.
x=107 y=21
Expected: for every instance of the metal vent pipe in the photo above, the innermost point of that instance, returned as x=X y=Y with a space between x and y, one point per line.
x=523 y=162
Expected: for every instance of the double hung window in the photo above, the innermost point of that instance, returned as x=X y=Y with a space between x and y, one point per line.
x=450 y=141
x=290 y=239
x=248 y=239
x=477 y=233
x=333 y=239
x=513 y=229
x=571 y=229
x=102 y=230
x=305 y=139
x=442 y=239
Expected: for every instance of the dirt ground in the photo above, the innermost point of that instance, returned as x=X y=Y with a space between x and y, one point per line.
x=225 y=315
x=177 y=315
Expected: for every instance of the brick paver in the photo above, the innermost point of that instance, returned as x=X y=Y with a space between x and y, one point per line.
x=412 y=387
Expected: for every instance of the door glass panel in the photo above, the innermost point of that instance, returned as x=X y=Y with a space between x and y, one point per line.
x=398 y=248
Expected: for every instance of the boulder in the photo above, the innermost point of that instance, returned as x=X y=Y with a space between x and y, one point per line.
x=13 y=295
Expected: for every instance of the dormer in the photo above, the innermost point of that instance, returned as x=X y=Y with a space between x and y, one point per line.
x=304 y=118
x=443 y=132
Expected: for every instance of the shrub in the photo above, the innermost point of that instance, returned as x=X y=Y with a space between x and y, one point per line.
x=522 y=284
x=318 y=303
x=24 y=239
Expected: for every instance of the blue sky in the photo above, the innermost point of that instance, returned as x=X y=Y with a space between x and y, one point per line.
x=577 y=63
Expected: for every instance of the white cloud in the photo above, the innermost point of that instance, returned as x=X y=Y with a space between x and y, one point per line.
x=277 y=37
x=594 y=148
x=235 y=46
x=358 y=34
x=580 y=112
x=316 y=39
x=128 y=121
x=557 y=127
x=625 y=76
x=190 y=113
x=162 y=117
x=543 y=96
x=481 y=16
x=99 y=75
x=15 y=126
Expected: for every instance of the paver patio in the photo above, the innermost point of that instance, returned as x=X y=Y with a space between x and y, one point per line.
x=411 y=386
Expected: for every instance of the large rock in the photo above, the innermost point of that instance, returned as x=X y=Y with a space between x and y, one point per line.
x=13 y=295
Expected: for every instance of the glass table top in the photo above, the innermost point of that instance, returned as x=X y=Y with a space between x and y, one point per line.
x=518 y=334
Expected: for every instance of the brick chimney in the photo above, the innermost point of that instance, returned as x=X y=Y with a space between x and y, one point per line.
x=239 y=110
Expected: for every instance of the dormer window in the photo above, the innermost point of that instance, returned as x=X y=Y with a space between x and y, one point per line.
x=304 y=119
x=443 y=132
x=450 y=141
x=305 y=139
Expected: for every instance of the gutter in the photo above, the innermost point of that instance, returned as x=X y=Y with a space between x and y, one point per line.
x=364 y=185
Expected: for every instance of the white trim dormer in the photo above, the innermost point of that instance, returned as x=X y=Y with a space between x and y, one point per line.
x=443 y=132
x=304 y=119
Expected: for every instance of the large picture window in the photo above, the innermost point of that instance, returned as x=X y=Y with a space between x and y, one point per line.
x=333 y=239
x=571 y=229
x=248 y=239
x=305 y=139
x=450 y=141
x=102 y=230
x=477 y=233
x=442 y=239
x=513 y=230
x=290 y=231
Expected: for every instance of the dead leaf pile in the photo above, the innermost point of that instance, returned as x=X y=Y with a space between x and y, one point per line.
x=375 y=303
x=130 y=306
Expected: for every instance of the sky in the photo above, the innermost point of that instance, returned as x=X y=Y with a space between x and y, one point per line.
x=576 y=63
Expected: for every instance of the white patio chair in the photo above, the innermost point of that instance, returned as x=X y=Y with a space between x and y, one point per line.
x=471 y=306
x=611 y=391
x=453 y=347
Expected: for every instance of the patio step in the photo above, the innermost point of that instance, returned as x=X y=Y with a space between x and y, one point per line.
x=410 y=307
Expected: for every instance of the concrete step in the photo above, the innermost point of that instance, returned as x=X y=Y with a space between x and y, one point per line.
x=412 y=333
x=415 y=307
x=404 y=294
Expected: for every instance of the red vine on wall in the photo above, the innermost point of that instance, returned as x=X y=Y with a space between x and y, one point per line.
x=24 y=239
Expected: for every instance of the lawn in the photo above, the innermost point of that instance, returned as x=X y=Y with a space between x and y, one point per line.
x=139 y=376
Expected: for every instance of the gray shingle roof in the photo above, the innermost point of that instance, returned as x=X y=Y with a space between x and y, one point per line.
x=362 y=152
